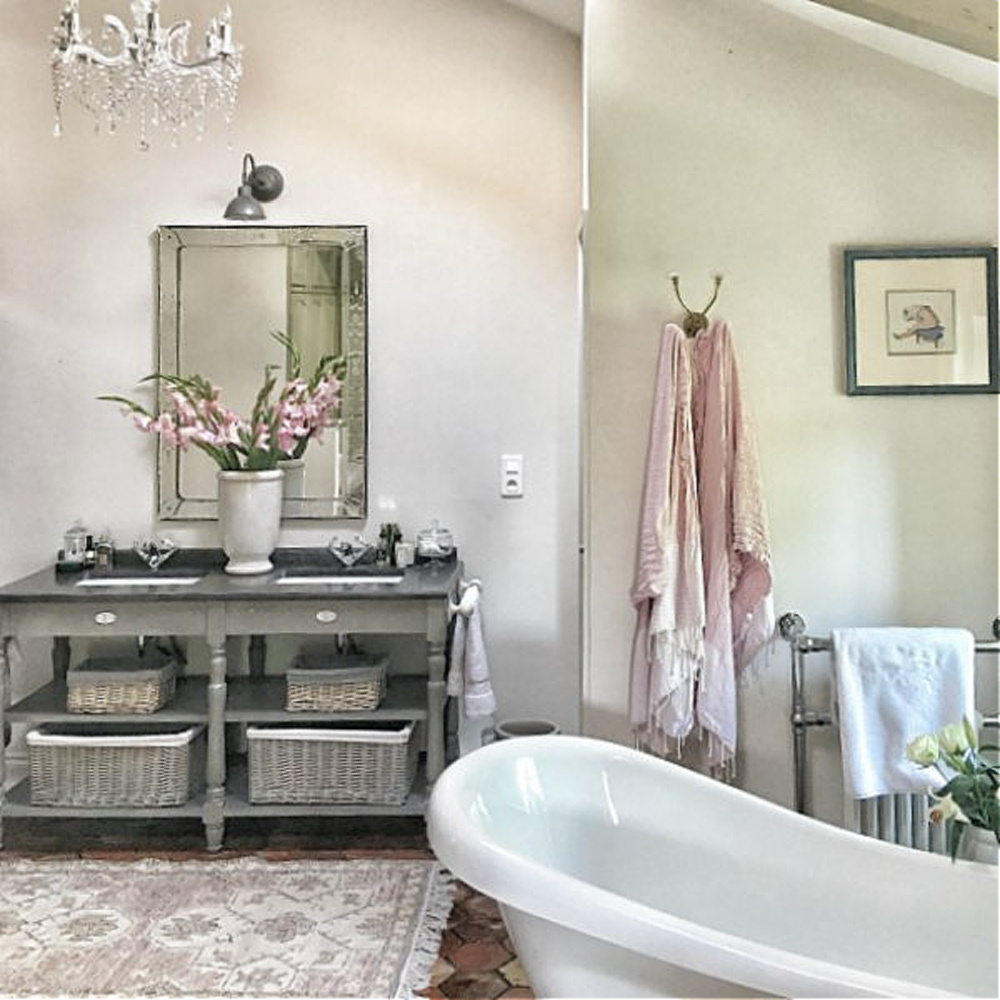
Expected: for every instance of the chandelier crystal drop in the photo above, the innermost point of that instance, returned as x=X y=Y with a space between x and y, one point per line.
x=145 y=74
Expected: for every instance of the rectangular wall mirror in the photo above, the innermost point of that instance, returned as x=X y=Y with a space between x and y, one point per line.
x=222 y=291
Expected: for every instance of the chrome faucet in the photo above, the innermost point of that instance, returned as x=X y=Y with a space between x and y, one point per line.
x=154 y=552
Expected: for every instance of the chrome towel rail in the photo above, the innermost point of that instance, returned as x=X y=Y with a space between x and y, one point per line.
x=792 y=628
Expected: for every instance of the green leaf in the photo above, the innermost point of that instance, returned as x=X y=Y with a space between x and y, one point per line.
x=133 y=406
x=955 y=833
x=282 y=338
x=961 y=786
x=970 y=732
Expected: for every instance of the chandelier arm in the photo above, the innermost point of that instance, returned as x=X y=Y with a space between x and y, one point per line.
x=78 y=49
x=220 y=59
x=118 y=26
x=182 y=28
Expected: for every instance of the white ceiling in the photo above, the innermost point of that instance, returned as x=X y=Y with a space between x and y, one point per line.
x=969 y=25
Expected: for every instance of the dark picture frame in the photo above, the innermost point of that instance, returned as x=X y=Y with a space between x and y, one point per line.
x=921 y=320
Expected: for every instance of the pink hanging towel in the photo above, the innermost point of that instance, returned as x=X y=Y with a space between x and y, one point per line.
x=703 y=583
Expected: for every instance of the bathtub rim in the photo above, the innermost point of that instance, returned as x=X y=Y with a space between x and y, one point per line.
x=638 y=927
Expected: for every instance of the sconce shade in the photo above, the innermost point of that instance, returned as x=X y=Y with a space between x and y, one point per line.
x=244 y=207
x=263 y=183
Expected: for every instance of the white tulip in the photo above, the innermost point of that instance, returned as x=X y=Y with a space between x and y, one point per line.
x=923 y=750
x=953 y=739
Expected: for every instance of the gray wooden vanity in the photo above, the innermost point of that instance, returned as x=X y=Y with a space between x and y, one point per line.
x=291 y=600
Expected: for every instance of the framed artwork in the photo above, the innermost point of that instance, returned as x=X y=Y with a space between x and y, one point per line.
x=921 y=320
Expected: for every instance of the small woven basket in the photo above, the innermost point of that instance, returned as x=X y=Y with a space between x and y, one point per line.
x=335 y=684
x=317 y=765
x=120 y=685
x=70 y=767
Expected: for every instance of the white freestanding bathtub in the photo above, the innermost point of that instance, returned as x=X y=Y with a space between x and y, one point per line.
x=622 y=875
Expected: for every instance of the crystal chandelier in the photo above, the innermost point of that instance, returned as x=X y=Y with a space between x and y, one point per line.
x=145 y=74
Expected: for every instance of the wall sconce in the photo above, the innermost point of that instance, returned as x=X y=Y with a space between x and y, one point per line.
x=263 y=183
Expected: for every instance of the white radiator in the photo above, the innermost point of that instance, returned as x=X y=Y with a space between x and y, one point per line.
x=900 y=819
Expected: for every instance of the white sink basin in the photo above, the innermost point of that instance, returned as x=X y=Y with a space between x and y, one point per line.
x=138 y=581
x=354 y=580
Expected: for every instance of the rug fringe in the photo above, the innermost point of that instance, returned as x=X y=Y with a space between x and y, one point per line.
x=433 y=920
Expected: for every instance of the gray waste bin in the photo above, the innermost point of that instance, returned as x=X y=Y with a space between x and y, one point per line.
x=511 y=728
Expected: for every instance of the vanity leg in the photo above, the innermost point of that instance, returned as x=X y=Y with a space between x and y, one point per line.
x=4 y=726
x=257 y=655
x=215 y=764
x=60 y=657
x=436 y=697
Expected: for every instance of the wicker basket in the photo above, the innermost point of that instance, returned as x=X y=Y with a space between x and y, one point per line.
x=335 y=684
x=316 y=765
x=76 y=766
x=122 y=685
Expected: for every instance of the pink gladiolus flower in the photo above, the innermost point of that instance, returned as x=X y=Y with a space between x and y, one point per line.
x=191 y=413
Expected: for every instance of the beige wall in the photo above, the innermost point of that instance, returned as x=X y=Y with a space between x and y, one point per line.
x=730 y=136
x=452 y=130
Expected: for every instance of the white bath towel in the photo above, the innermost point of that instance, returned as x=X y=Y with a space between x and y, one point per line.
x=892 y=685
x=468 y=668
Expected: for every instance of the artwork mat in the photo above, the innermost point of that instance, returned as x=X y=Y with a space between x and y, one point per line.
x=968 y=274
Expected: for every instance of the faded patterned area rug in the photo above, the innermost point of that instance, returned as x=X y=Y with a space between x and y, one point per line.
x=221 y=928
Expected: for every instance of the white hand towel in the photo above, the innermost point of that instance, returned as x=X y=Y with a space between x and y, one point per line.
x=469 y=670
x=893 y=684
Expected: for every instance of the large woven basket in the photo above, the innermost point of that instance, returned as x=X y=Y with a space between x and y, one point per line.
x=316 y=765
x=121 y=685
x=73 y=766
x=335 y=684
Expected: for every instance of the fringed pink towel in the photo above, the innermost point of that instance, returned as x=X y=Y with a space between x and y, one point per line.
x=703 y=585
x=669 y=649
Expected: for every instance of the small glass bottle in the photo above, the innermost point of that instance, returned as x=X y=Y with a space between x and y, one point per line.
x=75 y=544
x=104 y=552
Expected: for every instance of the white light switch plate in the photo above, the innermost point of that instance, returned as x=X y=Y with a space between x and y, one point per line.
x=512 y=475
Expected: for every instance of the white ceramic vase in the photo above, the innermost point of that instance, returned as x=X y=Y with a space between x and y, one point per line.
x=978 y=844
x=295 y=477
x=249 y=519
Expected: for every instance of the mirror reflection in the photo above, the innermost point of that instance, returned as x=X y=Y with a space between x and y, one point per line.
x=223 y=291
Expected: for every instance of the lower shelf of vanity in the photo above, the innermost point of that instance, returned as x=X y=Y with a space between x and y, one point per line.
x=17 y=802
x=249 y=700
x=238 y=804
x=261 y=701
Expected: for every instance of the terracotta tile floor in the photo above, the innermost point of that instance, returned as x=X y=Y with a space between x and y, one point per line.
x=476 y=960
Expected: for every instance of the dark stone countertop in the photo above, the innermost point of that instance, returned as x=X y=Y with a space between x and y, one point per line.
x=422 y=581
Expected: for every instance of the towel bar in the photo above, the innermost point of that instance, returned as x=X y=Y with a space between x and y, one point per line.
x=792 y=628
x=470 y=592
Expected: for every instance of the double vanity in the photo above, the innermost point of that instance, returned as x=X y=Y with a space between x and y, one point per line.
x=306 y=595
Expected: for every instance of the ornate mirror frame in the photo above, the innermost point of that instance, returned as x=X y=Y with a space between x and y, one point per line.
x=185 y=256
